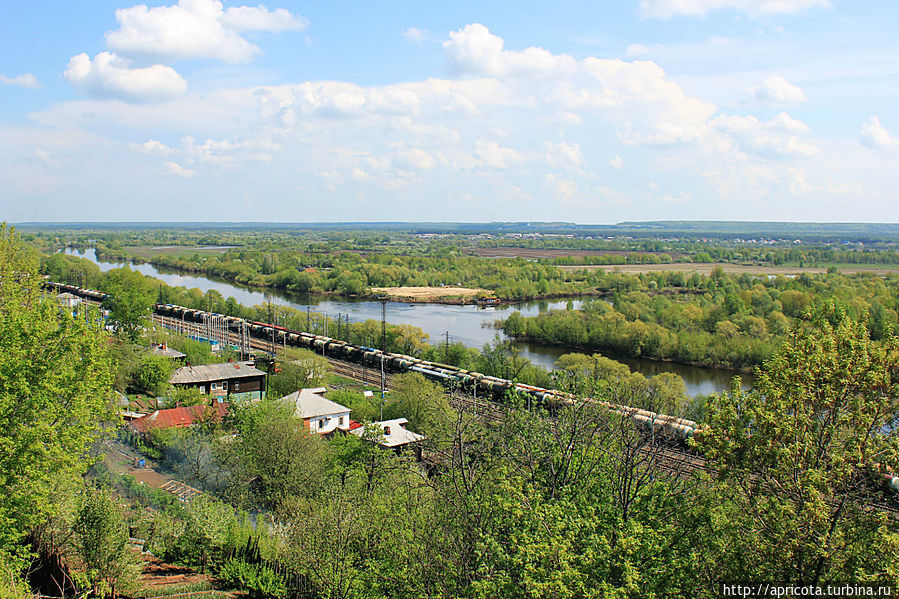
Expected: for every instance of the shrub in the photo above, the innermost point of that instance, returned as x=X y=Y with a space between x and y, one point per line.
x=260 y=581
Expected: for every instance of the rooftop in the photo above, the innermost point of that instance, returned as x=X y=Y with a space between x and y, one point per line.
x=393 y=432
x=214 y=372
x=179 y=417
x=310 y=403
x=165 y=350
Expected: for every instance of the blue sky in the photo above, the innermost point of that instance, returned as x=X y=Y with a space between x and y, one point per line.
x=464 y=111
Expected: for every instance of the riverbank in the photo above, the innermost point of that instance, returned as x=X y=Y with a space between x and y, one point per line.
x=568 y=348
x=468 y=324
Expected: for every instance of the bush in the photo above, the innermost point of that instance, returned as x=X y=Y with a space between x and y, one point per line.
x=260 y=581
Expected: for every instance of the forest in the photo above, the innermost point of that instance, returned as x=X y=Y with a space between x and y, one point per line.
x=724 y=320
x=352 y=262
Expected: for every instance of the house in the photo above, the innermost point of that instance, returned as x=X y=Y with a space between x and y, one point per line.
x=68 y=300
x=180 y=417
x=167 y=352
x=319 y=414
x=394 y=435
x=232 y=380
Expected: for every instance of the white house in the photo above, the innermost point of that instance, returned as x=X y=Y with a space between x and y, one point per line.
x=393 y=433
x=319 y=414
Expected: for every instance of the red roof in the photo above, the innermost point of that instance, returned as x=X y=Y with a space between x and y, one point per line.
x=354 y=425
x=179 y=417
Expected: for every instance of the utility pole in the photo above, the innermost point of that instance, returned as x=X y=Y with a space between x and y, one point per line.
x=446 y=350
x=383 y=384
x=271 y=323
x=384 y=324
x=308 y=320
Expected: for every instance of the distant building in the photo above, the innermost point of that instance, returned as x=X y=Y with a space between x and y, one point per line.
x=394 y=435
x=180 y=417
x=232 y=380
x=167 y=352
x=320 y=415
x=68 y=300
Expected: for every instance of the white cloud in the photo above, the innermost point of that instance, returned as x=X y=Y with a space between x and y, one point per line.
x=777 y=138
x=415 y=158
x=477 y=132
x=259 y=18
x=473 y=50
x=23 y=80
x=777 y=90
x=665 y=9
x=874 y=135
x=152 y=146
x=563 y=154
x=173 y=168
x=415 y=35
x=496 y=156
x=196 y=29
x=110 y=76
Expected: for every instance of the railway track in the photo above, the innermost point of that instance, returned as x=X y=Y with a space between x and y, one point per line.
x=670 y=458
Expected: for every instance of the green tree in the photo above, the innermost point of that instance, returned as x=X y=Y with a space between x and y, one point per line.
x=797 y=454
x=129 y=302
x=102 y=544
x=56 y=379
x=273 y=456
x=153 y=374
x=299 y=369
x=424 y=403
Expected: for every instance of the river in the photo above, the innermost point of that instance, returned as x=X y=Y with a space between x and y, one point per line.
x=468 y=324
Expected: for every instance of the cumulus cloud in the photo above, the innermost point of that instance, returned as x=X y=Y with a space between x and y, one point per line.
x=777 y=90
x=875 y=136
x=196 y=29
x=563 y=154
x=110 y=76
x=151 y=146
x=473 y=50
x=173 y=168
x=777 y=138
x=483 y=130
x=665 y=9
x=23 y=80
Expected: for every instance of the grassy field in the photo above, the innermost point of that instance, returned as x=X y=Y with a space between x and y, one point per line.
x=707 y=268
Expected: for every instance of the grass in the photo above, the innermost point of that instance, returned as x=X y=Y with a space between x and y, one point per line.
x=203 y=589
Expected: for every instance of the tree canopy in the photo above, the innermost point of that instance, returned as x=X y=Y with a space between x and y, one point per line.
x=56 y=378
